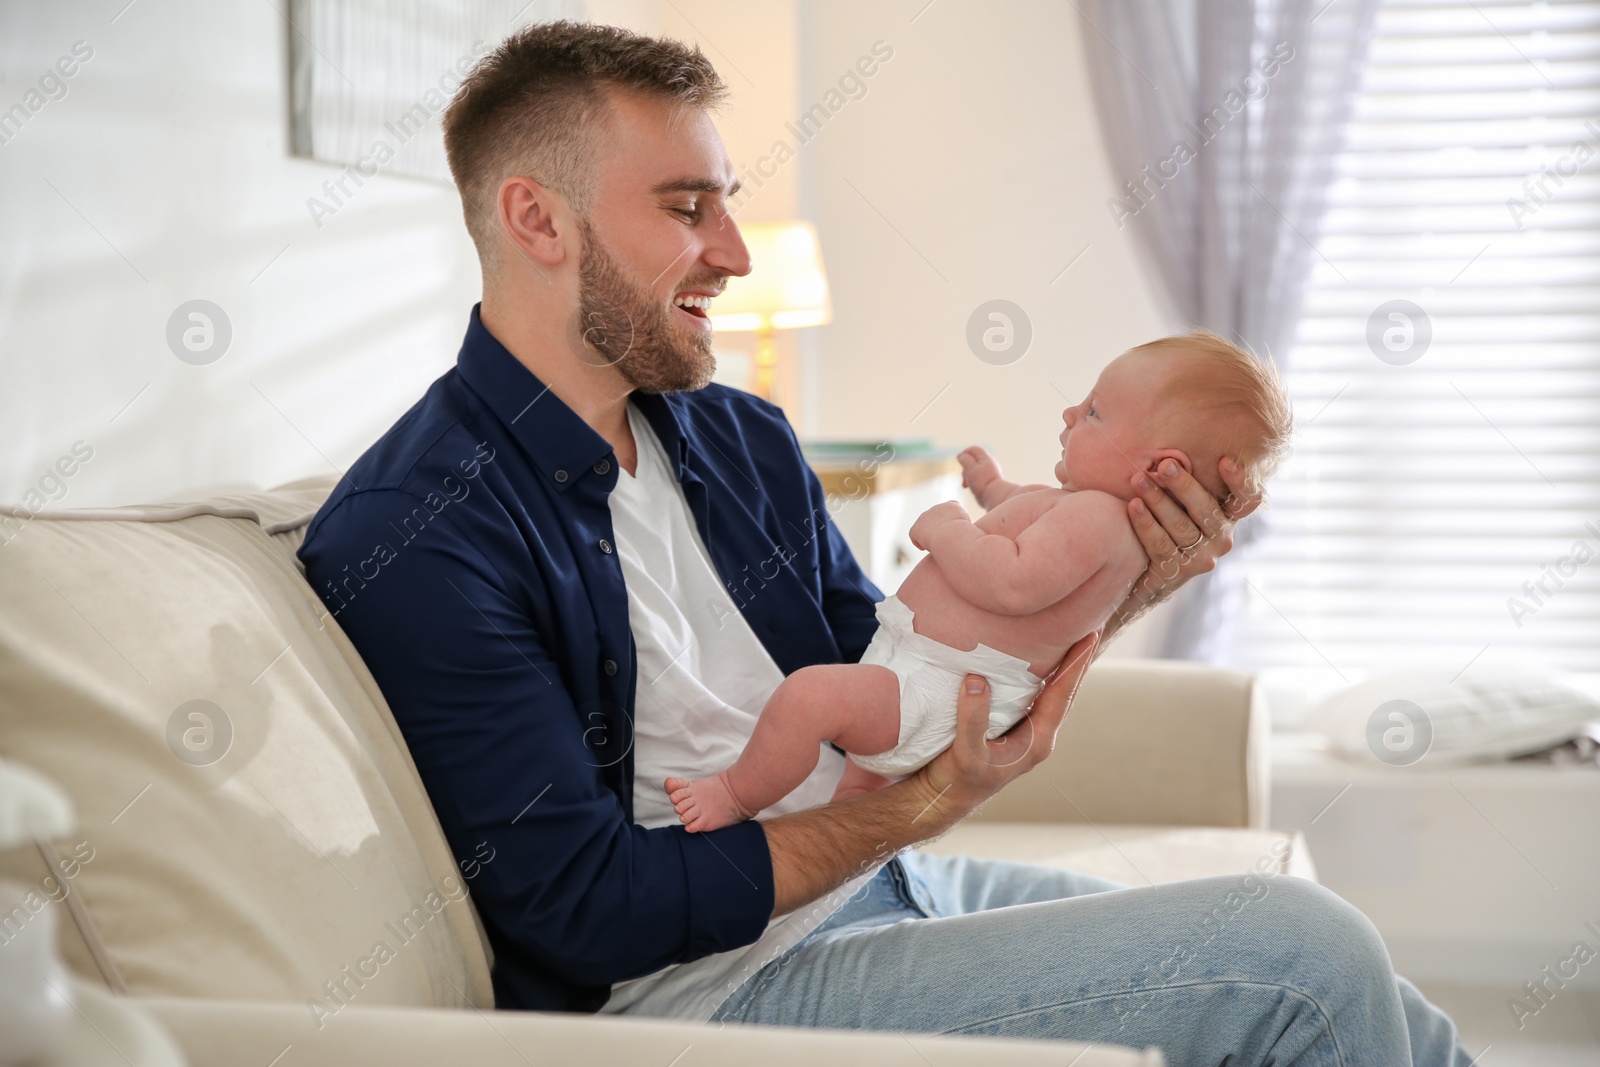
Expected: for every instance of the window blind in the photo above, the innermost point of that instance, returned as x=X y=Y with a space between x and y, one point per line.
x=1443 y=497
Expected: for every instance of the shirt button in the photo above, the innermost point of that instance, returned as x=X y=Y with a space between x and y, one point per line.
x=610 y=666
x=605 y=546
x=602 y=467
x=560 y=476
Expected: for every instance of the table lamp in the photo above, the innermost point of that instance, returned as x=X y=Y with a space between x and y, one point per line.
x=785 y=289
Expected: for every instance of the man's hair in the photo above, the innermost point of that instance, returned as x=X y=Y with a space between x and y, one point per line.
x=1240 y=396
x=534 y=106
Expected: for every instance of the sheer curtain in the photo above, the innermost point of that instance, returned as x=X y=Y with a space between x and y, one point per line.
x=1222 y=119
x=1469 y=187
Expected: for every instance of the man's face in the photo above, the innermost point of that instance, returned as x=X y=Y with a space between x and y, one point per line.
x=658 y=242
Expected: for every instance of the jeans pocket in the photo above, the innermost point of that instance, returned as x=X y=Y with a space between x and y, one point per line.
x=913 y=891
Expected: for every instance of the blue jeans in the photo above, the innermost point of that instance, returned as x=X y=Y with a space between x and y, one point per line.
x=1241 y=969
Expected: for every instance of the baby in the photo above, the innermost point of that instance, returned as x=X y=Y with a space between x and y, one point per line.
x=1006 y=596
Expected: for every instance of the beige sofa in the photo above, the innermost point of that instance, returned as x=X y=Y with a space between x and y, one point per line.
x=257 y=864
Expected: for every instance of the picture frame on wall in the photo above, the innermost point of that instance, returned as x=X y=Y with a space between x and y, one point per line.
x=369 y=79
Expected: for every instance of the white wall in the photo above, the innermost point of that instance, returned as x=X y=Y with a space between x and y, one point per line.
x=172 y=181
x=971 y=170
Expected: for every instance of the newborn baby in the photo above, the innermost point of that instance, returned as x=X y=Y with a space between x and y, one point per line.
x=1006 y=596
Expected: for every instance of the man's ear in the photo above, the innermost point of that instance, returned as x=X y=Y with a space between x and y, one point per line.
x=1177 y=455
x=534 y=219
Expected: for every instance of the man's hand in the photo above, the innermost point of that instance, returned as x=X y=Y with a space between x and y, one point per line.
x=1183 y=528
x=975 y=768
x=979 y=470
x=922 y=530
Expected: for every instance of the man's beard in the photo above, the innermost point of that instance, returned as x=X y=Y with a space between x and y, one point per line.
x=620 y=324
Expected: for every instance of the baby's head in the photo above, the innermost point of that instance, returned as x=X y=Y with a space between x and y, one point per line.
x=1193 y=398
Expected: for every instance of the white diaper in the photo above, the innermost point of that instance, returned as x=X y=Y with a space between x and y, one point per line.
x=931 y=675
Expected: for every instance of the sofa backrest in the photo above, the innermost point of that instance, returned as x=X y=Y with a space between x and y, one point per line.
x=1153 y=743
x=249 y=822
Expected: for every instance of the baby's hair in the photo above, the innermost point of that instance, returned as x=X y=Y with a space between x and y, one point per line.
x=1242 y=389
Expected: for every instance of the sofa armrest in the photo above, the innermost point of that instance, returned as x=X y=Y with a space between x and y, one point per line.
x=219 y=1033
x=1151 y=742
x=1133 y=855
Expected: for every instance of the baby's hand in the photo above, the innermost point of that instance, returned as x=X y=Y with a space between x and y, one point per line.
x=934 y=517
x=979 y=470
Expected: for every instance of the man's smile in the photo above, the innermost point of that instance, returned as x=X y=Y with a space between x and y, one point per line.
x=695 y=306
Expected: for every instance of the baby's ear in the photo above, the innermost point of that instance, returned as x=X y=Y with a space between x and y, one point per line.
x=1177 y=455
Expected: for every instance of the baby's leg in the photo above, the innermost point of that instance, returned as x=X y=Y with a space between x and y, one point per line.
x=856 y=706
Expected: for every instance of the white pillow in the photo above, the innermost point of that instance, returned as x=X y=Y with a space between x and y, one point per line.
x=1488 y=713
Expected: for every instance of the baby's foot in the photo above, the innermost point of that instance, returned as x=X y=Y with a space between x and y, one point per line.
x=706 y=803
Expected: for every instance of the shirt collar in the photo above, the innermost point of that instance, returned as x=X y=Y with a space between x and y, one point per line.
x=662 y=411
x=562 y=446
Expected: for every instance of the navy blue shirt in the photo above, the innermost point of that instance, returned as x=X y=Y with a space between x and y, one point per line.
x=469 y=556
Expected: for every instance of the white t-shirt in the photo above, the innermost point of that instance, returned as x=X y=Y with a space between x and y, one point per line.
x=703 y=679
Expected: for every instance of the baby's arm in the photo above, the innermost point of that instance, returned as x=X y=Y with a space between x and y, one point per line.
x=980 y=472
x=1058 y=552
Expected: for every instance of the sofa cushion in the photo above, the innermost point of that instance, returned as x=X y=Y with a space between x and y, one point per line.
x=252 y=822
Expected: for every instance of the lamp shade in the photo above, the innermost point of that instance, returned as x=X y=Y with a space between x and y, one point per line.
x=786 y=287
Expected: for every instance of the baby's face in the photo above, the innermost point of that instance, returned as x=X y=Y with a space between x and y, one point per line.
x=1112 y=433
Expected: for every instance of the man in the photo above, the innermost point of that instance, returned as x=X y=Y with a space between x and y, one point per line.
x=575 y=567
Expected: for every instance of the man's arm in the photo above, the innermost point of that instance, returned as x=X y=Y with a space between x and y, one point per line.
x=815 y=851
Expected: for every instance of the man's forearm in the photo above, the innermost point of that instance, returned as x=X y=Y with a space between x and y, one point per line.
x=816 y=851
x=1146 y=593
